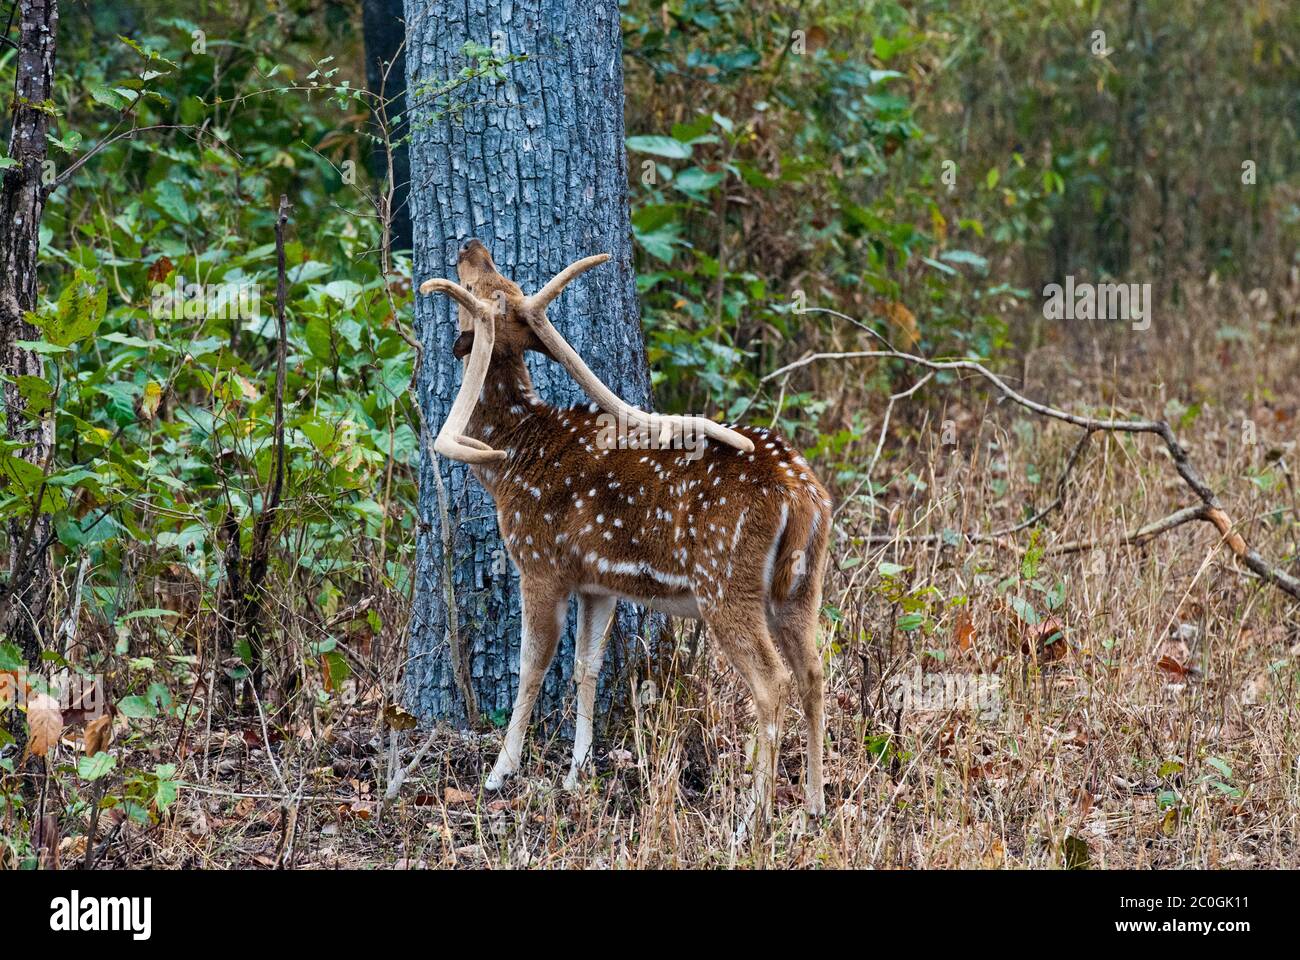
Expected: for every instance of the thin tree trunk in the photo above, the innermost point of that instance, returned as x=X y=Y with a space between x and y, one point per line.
x=22 y=200
x=534 y=167
x=385 y=31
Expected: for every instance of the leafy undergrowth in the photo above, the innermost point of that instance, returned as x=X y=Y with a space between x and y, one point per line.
x=1124 y=707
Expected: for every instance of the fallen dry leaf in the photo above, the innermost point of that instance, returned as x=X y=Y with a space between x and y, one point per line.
x=902 y=319
x=98 y=733
x=45 y=721
x=398 y=719
x=8 y=688
x=359 y=809
x=452 y=795
x=964 y=631
x=160 y=270
x=1170 y=665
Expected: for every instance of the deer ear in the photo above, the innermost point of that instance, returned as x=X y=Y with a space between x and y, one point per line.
x=537 y=345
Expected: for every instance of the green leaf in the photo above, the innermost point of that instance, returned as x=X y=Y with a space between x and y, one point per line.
x=344 y=291
x=660 y=147
x=171 y=200
x=395 y=375
x=321 y=434
x=11 y=657
x=81 y=308
x=966 y=257
x=660 y=244
x=150 y=612
x=137 y=708
x=92 y=768
x=108 y=97
x=1220 y=765
x=695 y=182
x=941 y=267
x=319 y=339
x=167 y=785
x=37 y=392
x=1024 y=610
x=23 y=479
x=40 y=346
x=338 y=668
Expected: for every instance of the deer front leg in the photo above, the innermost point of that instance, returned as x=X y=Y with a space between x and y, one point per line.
x=594 y=614
x=543 y=620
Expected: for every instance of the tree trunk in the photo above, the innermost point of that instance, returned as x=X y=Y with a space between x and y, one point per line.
x=22 y=200
x=385 y=32
x=534 y=167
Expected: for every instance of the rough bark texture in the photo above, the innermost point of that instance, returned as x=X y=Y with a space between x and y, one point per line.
x=385 y=32
x=22 y=200
x=536 y=169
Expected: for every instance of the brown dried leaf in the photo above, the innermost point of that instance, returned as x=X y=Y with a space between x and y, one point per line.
x=901 y=319
x=98 y=733
x=160 y=271
x=358 y=809
x=397 y=718
x=1170 y=665
x=8 y=689
x=44 y=721
x=964 y=631
x=452 y=795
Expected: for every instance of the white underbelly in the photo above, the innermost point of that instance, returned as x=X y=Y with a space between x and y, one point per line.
x=675 y=605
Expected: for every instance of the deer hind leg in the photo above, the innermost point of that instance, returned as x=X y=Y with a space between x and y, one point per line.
x=594 y=614
x=796 y=634
x=741 y=632
x=543 y=621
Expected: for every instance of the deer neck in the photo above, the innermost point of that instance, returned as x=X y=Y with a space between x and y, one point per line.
x=507 y=402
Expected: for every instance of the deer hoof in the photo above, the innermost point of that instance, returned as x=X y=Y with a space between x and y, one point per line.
x=497 y=779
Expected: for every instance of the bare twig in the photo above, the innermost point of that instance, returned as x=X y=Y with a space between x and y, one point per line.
x=1140 y=535
x=1212 y=511
x=259 y=556
x=880 y=441
x=395 y=784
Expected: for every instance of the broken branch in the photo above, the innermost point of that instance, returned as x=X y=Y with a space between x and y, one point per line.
x=1210 y=511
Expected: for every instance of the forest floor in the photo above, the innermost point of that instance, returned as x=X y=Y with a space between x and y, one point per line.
x=1136 y=703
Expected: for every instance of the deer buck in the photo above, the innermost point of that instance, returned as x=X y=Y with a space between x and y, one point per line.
x=679 y=514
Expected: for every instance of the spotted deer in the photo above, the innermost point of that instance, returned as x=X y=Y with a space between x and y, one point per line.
x=679 y=514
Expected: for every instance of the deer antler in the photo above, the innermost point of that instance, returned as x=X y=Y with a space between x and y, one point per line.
x=661 y=426
x=451 y=441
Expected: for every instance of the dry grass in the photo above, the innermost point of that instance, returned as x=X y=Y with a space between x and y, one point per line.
x=1160 y=733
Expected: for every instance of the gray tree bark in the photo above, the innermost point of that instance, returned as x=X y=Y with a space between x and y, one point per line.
x=24 y=597
x=535 y=167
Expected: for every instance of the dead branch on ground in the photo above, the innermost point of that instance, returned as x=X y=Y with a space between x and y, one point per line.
x=1209 y=510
